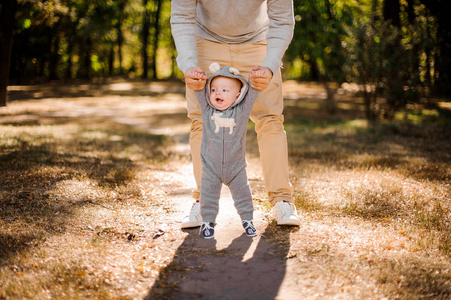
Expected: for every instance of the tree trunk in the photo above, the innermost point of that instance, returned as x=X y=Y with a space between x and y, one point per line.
x=87 y=59
x=111 y=61
x=442 y=70
x=411 y=11
x=444 y=60
x=374 y=8
x=173 y=59
x=120 y=35
x=54 y=57
x=416 y=53
x=120 y=42
x=156 y=39
x=85 y=62
x=368 y=107
x=145 y=40
x=429 y=63
x=70 y=48
x=7 y=23
x=330 y=103
x=392 y=10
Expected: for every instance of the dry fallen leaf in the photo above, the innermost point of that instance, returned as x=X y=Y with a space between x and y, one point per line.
x=159 y=233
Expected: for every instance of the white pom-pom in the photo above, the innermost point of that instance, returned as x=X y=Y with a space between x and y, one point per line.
x=214 y=67
x=234 y=71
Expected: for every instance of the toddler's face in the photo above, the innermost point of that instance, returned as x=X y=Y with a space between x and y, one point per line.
x=224 y=92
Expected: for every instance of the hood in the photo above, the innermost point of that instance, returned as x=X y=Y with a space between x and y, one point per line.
x=226 y=72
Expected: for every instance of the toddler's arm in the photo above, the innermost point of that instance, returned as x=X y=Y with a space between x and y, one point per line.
x=249 y=100
x=201 y=96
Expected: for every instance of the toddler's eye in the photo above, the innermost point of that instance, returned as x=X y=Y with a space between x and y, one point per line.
x=224 y=90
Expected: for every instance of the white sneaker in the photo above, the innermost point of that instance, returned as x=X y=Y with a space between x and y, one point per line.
x=193 y=219
x=286 y=214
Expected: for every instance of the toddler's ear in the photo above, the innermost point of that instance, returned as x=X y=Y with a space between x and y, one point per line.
x=234 y=71
x=214 y=67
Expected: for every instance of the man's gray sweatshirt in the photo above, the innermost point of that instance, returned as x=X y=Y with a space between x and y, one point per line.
x=232 y=21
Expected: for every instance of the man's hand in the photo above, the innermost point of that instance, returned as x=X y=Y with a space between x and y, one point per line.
x=195 y=78
x=260 y=77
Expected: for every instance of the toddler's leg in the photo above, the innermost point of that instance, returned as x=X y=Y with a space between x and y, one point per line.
x=242 y=196
x=209 y=195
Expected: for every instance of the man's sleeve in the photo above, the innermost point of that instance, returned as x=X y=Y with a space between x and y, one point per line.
x=280 y=33
x=184 y=31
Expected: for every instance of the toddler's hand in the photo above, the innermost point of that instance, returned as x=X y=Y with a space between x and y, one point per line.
x=258 y=73
x=195 y=78
x=260 y=77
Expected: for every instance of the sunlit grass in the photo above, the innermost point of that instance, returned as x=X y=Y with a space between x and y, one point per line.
x=376 y=196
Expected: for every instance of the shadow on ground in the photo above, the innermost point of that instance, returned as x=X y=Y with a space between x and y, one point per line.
x=247 y=269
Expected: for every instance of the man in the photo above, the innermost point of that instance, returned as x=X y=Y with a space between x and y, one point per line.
x=249 y=35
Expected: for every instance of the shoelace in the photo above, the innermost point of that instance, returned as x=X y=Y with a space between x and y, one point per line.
x=205 y=225
x=248 y=224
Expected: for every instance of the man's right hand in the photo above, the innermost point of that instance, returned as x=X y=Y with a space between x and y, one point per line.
x=195 y=78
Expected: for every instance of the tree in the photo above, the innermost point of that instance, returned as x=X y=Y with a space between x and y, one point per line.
x=381 y=63
x=392 y=10
x=151 y=22
x=89 y=38
x=319 y=30
x=7 y=22
x=145 y=39
x=120 y=34
x=440 y=9
x=156 y=38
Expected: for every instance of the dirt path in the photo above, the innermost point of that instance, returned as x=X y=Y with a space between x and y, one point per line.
x=230 y=266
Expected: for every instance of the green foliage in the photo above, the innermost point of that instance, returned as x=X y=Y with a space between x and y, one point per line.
x=377 y=62
x=351 y=41
x=392 y=65
x=319 y=30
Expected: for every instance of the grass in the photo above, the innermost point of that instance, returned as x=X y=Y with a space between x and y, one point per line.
x=72 y=194
x=83 y=200
x=373 y=193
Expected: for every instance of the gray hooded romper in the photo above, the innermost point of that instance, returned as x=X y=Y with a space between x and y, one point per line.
x=223 y=150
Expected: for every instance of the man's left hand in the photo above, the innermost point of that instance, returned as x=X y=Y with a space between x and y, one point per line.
x=260 y=77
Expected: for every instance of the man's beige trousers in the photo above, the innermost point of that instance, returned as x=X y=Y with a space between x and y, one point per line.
x=266 y=114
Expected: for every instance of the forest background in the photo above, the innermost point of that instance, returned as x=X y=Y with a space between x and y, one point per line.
x=396 y=52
